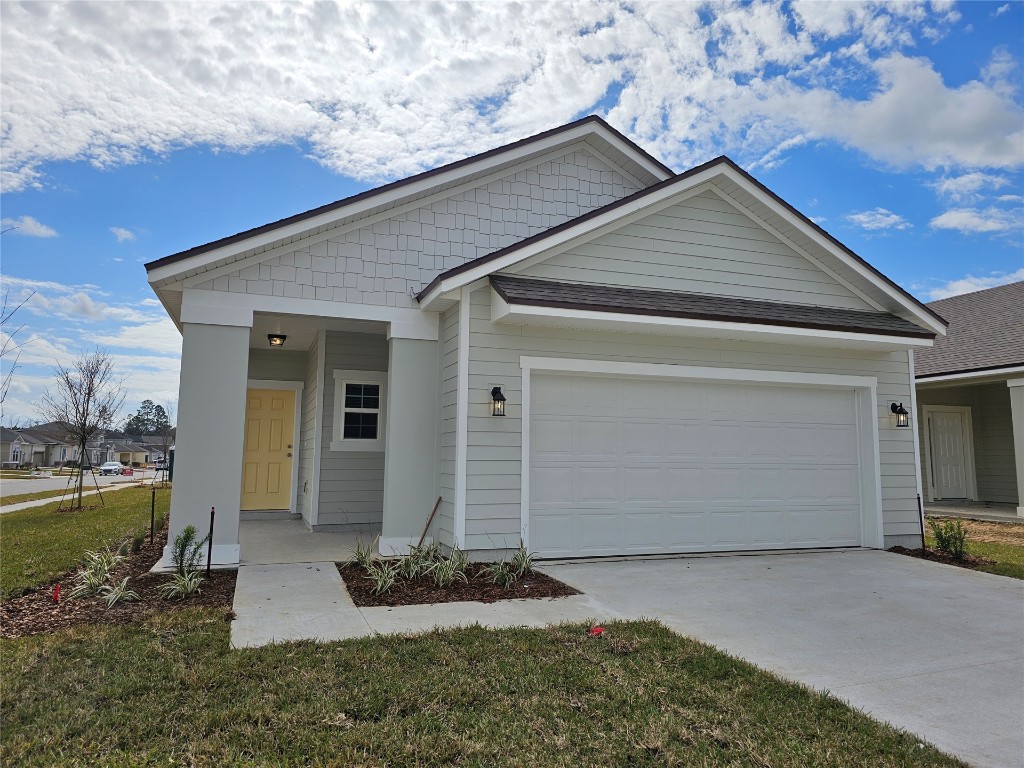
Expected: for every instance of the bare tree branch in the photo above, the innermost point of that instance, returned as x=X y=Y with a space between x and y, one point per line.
x=8 y=345
x=85 y=400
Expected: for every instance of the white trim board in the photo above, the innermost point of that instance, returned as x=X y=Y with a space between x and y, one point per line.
x=866 y=388
x=970 y=468
x=914 y=414
x=296 y=387
x=318 y=438
x=991 y=375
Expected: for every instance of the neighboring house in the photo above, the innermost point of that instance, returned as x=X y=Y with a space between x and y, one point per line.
x=970 y=400
x=10 y=453
x=130 y=453
x=684 y=362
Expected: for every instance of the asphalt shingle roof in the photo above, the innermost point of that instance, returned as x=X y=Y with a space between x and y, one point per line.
x=986 y=331
x=607 y=298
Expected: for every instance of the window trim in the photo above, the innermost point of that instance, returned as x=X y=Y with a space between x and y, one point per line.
x=338 y=440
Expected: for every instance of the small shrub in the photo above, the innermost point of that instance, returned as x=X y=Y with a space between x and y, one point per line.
x=383 y=574
x=138 y=539
x=187 y=553
x=522 y=561
x=114 y=594
x=365 y=555
x=95 y=572
x=950 y=537
x=158 y=522
x=501 y=574
x=182 y=585
x=417 y=563
x=448 y=571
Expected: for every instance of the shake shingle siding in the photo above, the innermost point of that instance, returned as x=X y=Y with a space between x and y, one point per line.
x=388 y=261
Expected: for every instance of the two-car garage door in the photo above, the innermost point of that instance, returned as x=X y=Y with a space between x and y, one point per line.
x=643 y=466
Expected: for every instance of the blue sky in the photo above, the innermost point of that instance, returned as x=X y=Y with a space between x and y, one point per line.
x=134 y=131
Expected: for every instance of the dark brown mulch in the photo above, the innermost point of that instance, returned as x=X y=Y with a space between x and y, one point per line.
x=35 y=613
x=422 y=589
x=969 y=561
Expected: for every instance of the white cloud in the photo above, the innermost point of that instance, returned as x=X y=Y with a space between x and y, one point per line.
x=1001 y=10
x=977 y=221
x=878 y=218
x=122 y=234
x=423 y=84
x=27 y=226
x=971 y=283
x=967 y=186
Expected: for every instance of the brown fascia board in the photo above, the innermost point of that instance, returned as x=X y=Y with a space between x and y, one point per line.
x=984 y=369
x=370 y=193
x=722 y=159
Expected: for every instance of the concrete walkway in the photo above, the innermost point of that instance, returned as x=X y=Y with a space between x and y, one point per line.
x=51 y=499
x=976 y=510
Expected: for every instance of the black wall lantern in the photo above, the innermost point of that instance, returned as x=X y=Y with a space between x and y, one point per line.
x=902 y=416
x=497 y=402
x=276 y=339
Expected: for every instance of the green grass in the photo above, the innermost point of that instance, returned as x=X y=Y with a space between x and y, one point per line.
x=40 y=543
x=1009 y=558
x=19 y=497
x=171 y=693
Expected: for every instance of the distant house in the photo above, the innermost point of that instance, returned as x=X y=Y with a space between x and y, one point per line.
x=970 y=400
x=9 y=453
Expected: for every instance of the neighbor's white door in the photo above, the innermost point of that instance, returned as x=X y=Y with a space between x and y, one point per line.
x=949 y=464
x=642 y=466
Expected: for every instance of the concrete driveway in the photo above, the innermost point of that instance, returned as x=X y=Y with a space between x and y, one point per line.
x=933 y=649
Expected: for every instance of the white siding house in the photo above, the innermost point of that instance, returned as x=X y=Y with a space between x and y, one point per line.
x=688 y=363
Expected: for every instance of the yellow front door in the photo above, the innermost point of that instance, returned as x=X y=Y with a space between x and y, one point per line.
x=267 y=457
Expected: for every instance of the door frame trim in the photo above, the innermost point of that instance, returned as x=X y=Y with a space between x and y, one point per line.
x=868 y=415
x=296 y=387
x=967 y=435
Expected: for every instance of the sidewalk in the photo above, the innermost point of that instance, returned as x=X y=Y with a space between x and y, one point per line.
x=52 y=499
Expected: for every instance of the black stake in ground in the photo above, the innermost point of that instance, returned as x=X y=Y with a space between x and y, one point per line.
x=209 y=542
x=152 y=513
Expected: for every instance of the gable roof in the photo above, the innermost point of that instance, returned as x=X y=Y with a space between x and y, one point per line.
x=695 y=306
x=986 y=333
x=581 y=225
x=642 y=163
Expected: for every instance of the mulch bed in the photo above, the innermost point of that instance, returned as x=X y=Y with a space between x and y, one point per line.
x=969 y=561
x=422 y=589
x=35 y=613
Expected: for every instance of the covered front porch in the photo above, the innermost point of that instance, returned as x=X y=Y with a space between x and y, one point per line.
x=324 y=427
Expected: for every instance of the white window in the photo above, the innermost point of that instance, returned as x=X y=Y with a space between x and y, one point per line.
x=359 y=404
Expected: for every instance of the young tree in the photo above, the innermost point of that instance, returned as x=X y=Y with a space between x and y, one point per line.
x=8 y=346
x=86 y=398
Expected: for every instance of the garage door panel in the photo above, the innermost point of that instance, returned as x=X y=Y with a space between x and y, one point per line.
x=643 y=484
x=598 y=484
x=597 y=438
x=668 y=466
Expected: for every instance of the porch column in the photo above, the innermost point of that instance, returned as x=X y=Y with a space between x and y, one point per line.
x=211 y=426
x=410 y=453
x=1017 y=409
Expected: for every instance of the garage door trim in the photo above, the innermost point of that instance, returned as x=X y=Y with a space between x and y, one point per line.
x=865 y=388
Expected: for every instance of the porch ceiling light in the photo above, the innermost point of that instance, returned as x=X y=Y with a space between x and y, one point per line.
x=276 y=339
x=901 y=414
x=497 y=402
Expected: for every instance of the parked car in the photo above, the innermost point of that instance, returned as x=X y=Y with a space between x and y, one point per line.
x=111 y=468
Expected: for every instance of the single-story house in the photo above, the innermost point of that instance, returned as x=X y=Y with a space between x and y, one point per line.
x=970 y=400
x=10 y=449
x=566 y=343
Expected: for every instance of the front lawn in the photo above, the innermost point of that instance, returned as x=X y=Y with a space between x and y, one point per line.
x=41 y=543
x=1001 y=542
x=169 y=691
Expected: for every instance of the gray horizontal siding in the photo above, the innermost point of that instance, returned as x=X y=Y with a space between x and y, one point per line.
x=351 y=483
x=992 y=421
x=389 y=261
x=495 y=452
x=702 y=245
